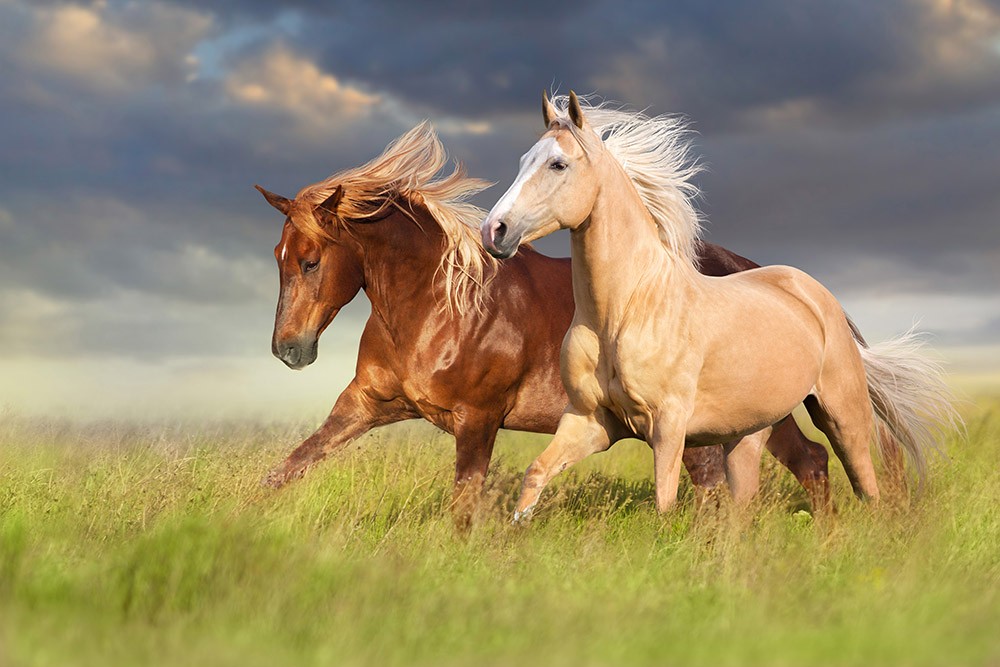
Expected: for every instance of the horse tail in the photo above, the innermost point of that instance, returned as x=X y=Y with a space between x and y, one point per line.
x=913 y=405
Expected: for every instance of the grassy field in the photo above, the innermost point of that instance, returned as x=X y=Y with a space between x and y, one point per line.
x=154 y=545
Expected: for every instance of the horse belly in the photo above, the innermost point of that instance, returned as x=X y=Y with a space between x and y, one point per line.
x=540 y=402
x=713 y=424
x=742 y=390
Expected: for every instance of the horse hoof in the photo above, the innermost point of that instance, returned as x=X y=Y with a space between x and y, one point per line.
x=276 y=479
x=521 y=517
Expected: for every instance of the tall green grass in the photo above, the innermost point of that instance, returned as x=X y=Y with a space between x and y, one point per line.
x=154 y=545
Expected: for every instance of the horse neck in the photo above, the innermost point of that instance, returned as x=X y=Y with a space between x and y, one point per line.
x=619 y=261
x=401 y=259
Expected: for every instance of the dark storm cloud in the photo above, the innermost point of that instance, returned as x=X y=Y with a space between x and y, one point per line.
x=921 y=196
x=714 y=61
x=719 y=62
x=402 y=12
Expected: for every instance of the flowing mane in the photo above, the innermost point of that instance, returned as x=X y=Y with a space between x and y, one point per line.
x=655 y=152
x=404 y=175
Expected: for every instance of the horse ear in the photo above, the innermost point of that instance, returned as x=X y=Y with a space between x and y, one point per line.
x=548 y=111
x=575 y=112
x=277 y=201
x=330 y=204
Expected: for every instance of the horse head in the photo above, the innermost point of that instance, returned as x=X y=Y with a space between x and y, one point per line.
x=555 y=186
x=320 y=269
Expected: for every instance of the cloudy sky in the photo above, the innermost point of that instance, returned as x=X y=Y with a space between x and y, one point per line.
x=857 y=140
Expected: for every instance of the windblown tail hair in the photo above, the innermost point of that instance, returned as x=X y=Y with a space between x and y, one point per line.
x=914 y=407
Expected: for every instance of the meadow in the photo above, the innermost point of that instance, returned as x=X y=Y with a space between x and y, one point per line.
x=153 y=544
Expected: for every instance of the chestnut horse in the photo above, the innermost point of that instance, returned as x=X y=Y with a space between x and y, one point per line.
x=467 y=344
x=658 y=349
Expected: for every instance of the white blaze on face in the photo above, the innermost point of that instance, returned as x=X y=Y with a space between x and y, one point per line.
x=531 y=162
x=284 y=250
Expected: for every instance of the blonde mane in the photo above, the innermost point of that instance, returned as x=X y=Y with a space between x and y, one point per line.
x=404 y=176
x=655 y=152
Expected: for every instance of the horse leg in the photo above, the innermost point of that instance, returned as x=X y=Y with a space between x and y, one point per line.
x=806 y=459
x=474 y=440
x=706 y=467
x=577 y=437
x=353 y=414
x=743 y=465
x=846 y=419
x=667 y=441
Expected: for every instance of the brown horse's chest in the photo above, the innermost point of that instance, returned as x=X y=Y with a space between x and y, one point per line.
x=441 y=417
x=433 y=399
x=438 y=386
x=498 y=362
x=400 y=367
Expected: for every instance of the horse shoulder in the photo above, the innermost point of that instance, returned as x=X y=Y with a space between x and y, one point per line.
x=581 y=352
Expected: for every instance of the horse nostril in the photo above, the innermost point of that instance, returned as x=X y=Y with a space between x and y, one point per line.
x=500 y=232
x=291 y=354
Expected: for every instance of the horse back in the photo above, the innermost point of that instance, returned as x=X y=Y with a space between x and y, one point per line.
x=714 y=260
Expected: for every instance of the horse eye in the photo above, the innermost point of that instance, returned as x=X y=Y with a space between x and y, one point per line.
x=309 y=267
x=558 y=165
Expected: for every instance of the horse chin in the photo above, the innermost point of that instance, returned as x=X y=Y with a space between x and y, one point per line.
x=506 y=248
x=502 y=253
x=299 y=365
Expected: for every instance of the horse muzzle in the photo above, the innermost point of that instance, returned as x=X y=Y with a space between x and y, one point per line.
x=296 y=353
x=498 y=239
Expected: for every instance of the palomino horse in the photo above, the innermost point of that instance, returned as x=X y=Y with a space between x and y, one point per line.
x=453 y=337
x=658 y=349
